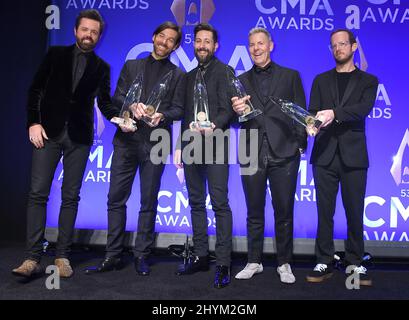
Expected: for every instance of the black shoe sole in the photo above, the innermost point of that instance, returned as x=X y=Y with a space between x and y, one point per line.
x=95 y=271
x=25 y=279
x=221 y=286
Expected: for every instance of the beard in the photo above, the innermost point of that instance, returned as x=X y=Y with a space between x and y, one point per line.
x=86 y=46
x=159 y=52
x=203 y=59
x=342 y=61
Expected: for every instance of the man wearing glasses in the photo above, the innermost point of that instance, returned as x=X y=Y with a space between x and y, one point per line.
x=342 y=98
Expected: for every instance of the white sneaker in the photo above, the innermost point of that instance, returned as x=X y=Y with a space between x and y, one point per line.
x=249 y=270
x=286 y=275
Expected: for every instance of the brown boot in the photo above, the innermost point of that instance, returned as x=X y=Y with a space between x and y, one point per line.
x=28 y=269
x=64 y=267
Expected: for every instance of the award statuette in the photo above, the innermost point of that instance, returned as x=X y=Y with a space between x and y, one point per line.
x=238 y=91
x=133 y=96
x=200 y=104
x=156 y=96
x=297 y=113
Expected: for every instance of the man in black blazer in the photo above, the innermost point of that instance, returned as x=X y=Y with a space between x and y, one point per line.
x=60 y=123
x=279 y=142
x=342 y=98
x=132 y=150
x=211 y=166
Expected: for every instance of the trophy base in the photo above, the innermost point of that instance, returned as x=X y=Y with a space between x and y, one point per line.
x=312 y=122
x=317 y=123
x=250 y=115
x=200 y=125
x=122 y=121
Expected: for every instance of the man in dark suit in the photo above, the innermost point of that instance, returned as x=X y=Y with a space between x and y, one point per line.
x=342 y=98
x=60 y=123
x=132 y=150
x=276 y=160
x=209 y=163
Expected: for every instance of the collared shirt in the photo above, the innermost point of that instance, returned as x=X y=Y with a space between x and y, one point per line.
x=79 y=63
x=153 y=70
x=204 y=67
x=263 y=77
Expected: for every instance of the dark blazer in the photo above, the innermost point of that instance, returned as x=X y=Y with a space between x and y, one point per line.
x=347 y=131
x=171 y=106
x=52 y=102
x=220 y=110
x=284 y=135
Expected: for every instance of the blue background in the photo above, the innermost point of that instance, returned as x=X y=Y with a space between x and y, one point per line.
x=382 y=28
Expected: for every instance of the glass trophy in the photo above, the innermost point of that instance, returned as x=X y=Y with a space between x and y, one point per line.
x=238 y=91
x=200 y=104
x=126 y=116
x=296 y=113
x=159 y=92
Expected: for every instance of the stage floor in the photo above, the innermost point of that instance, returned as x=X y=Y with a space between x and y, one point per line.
x=390 y=281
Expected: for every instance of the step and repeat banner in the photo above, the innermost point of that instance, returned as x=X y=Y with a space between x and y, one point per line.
x=300 y=30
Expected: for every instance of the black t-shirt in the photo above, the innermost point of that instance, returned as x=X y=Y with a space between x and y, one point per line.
x=343 y=79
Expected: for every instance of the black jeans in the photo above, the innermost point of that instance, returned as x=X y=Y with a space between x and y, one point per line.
x=353 y=186
x=282 y=176
x=125 y=163
x=44 y=163
x=217 y=176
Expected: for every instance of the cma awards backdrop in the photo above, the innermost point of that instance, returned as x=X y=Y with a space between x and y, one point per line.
x=300 y=30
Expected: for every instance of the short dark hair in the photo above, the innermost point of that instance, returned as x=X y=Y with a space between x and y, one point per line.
x=206 y=27
x=170 y=25
x=351 y=36
x=93 y=15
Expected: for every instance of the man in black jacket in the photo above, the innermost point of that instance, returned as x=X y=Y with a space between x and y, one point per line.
x=60 y=123
x=279 y=144
x=132 y=150
x=211 y=163
x=342 y=98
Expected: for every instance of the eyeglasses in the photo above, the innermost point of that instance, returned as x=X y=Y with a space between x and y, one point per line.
x=341 y=45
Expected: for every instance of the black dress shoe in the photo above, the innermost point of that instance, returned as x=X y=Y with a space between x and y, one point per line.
x=142 y=266
x=109 y=264
x=196 y=264
x=222 y=277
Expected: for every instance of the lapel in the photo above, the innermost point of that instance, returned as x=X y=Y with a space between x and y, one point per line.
x=248 y=82
x=334 y=87
x=67 y=61
x=142 y=69
x=276 y=79
x=352 y=83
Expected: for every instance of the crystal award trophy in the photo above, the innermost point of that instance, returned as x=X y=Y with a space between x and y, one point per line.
x=200 y=104
x=238 y=91
x=133 y=96
x=159 y=92
x=296 y=113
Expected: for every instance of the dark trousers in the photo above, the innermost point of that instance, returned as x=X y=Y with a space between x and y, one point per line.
x=217 y=176
x=353 y=186
x=282 y=176
x=125 y=163
x=44 y=163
